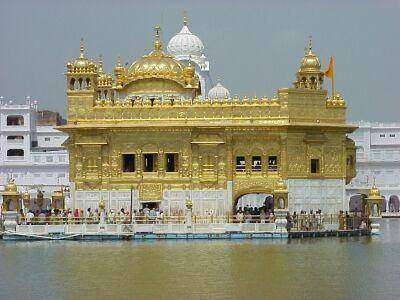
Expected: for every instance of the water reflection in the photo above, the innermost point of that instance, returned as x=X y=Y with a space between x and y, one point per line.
x=325 y=268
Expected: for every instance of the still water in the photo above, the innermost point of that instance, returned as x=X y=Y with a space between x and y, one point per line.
x=325 y=268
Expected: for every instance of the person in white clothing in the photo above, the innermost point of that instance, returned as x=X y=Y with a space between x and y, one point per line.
x=29 y=217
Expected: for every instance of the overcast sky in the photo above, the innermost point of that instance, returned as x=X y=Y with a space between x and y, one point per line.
x=254 y=46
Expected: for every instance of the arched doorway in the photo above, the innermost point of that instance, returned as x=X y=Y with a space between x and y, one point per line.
x=254 y=202
x=356 y=203
x=383 y=204
x=394 y=203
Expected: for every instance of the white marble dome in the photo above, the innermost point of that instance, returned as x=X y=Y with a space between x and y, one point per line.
x=185 y=43
x=219 y=92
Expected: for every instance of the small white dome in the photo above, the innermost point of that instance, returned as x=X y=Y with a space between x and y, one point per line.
x=219 y=92
x=185 y=43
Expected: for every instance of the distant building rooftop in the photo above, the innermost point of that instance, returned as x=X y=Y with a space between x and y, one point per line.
x=47 y=117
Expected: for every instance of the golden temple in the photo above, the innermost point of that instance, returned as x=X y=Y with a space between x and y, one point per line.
x=148 y=133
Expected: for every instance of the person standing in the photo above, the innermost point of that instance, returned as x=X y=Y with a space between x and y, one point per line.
x=288 y=222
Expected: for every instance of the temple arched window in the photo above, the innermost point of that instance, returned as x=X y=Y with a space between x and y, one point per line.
x=15 y=152
x=240 y=163
x=87 y=83
x=15 y=120
x=72 y=84
x=15 y=138
x=80 y=80
x=273 y=163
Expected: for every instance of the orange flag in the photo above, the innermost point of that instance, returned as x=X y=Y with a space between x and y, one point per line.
x=329 y=73
x=329 y=70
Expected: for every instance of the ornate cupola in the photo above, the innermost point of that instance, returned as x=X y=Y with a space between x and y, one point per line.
x=11 y=196
x=82 y=79
x=105 y=82
x=309 y=75
x=374 y=200
x=81 y=73
x=185 y=44
x=157 y=74
x=219 y=92
x=119 y=72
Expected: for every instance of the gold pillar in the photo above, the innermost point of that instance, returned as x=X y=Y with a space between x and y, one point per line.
x=374 y=197
x=57 y=200
x=40 y=199
x=26 y=199
x=280 y=194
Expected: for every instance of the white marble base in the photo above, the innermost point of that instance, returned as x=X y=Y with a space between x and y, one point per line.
x=10 y=220
x=325 y=194
x=205 y=202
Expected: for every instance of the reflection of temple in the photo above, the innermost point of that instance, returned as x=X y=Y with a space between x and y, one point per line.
x=153 y=134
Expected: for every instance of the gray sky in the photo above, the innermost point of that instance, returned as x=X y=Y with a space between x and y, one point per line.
x=254 y=46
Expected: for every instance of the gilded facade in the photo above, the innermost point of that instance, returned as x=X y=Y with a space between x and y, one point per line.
x=149 y=133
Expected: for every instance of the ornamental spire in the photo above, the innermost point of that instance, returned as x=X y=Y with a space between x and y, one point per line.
x=101 y=61
x=81 y=49
x=185 y=19
x=100 y=70
x=157 y=41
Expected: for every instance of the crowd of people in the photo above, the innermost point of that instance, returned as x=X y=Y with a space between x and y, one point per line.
x=89 y=216
x=254 y=215
x=304 y=221
x=313 y=221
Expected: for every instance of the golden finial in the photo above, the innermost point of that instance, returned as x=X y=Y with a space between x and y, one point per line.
x=82 y=49
x=119 y=64
x=157 y=41
x=101 y=61
x=310 y=42
x=185 y=19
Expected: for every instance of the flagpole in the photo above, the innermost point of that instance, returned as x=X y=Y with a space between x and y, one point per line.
x=333 y=79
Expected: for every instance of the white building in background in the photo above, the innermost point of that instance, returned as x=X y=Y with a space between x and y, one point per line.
x=32 y=155
x=378 y=158
x=187 y=47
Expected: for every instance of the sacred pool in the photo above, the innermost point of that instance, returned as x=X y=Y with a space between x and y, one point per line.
x=323 y=268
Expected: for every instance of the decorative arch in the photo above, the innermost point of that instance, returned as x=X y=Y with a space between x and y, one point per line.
x=356 y=203
x=15 y=120
x=394 y=203
x=254 y=200
x=383 y=204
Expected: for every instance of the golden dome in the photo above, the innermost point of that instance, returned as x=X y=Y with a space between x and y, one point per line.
x=157 y=64
x=310 y=61
x=119 y=69
x=81 y=64
x=11 y=186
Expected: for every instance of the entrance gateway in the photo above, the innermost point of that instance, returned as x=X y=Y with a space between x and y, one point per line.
x=150 y=204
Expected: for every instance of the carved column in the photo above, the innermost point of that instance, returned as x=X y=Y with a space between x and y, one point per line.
x=138 y=162
x=229 y=157
x=283 y=161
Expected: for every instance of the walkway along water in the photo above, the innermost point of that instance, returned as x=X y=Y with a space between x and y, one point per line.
x=179 y=227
